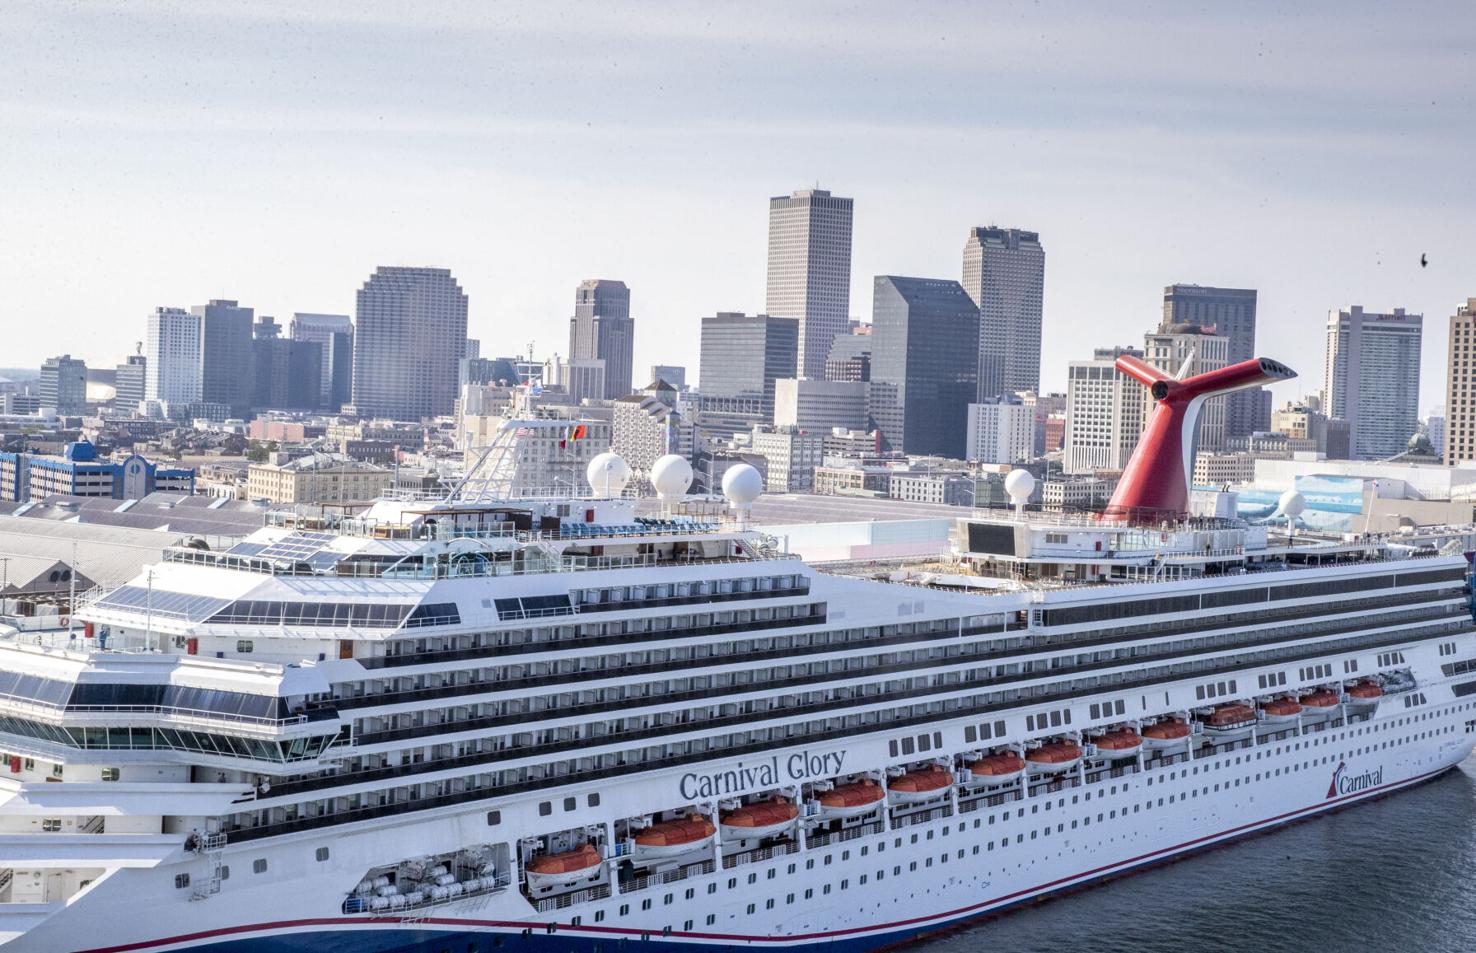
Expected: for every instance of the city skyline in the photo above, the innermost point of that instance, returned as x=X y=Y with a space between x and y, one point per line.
x=1138 y=168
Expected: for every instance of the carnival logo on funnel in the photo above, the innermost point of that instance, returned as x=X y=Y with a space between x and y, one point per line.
x=1345 y=783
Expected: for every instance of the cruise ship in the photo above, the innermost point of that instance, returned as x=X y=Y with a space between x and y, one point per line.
x=523 y=723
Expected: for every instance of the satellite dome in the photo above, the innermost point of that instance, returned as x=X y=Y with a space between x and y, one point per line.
x=742 y=484
x=607 y=474
x=671 y=476
x=1291 y=505
x=1019 y=485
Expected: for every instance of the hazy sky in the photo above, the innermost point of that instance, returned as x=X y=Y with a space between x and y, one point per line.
x=166 y=153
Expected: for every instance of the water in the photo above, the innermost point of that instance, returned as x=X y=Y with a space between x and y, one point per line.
x=1398 y=874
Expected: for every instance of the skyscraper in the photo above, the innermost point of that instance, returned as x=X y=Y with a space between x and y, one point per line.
x=924 y=361
x=602 y=329
x=334 y=335
x=63 y=385
x=226 y=375
x=1201 y=350
x=742 y=356
x=810 y=270
x=130 y=381
x=1104 y=413
x=410 y=335
x=1004 y=274
x=1232 y=313
x=1459 y=419
x=172 y=348
x=1372 y=378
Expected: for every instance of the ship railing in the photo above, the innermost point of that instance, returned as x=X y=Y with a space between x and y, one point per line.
x=850 y=833
x=922 y=817
x=759 y=854
x=976 y=801
x=1110 y=771
x=667 y=876
x=559 y=902
x=1052 y=785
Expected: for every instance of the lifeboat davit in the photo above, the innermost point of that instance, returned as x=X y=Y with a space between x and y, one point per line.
x=1118 y=744
x=921 y=785
x=760 y=819
x=1281 y=710
x=1234 y=720
x=1053 y=757
x=672 y=838
x=1364 y=695
x=994 y=770
x=1319 y=703
x=1169 y=733
x=564 y=869
x=849 y=800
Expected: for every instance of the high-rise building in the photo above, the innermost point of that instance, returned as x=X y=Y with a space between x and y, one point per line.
x=923 y=364
x=1104 y=413
x=1458 y=441
x=1004 y=274
x=63 y=386
x=790 y=454
x=130 y=383
x=287 y=374
x=409 y=337
x=603 y=330
x=1231 y=312
x=172 y=372
x=810 y=270
x=1372 y=378
x=1299 y=421
x=226 y=375
x=850 y=355
x=1193 y=350
x=673 y=374
x=742 y=356
x=1043 y=407
x=1001 y=430
x=1435 y=431
x=820 y=406
x=334 y=335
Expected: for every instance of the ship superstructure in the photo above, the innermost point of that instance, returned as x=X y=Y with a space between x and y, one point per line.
x=484 y=723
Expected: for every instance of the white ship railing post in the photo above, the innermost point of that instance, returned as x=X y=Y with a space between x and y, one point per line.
x=885 y=804
x=612 y=863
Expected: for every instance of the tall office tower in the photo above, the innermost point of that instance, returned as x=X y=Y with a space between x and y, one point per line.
x=602 y=330
x=1104 y=413
x=286 y=373
x=1194 y=350
x=473 y=348
x=1004 y=274
x=1459 y=420
x=226 y=376
x=172 y=374
x=742 y=357
x=63 y=386
x=1372 y=378
x=673 y=374
x=334 y=335
x=1232 y=313
x=409 y=338
x=130 y=383
x=850 y=356
x=810 y=270
x=924 y=359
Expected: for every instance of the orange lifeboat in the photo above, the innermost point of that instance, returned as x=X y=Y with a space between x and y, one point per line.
x=564 y=869
x=672 y=838
x=1053 y=757
x=1319 y=703
x=1365 y=694
x=850 y=800
x=1280 y=710
x=1234 y=720
x=994 y=770
x=760 y=819
x=1169 y=733
x=921 y=785
x=1118 y=744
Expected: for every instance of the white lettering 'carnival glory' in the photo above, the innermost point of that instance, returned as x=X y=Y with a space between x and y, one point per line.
x=748 y=776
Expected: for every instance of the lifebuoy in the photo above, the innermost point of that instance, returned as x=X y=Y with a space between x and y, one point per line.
x=64 y=621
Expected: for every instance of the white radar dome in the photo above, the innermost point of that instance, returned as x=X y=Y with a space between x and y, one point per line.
x=607 y=474
x=1292 y=504
x=1019 y=485
x=671 y=476
x=742 y=484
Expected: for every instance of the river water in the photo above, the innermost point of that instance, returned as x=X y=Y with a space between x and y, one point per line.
x=1397 y=875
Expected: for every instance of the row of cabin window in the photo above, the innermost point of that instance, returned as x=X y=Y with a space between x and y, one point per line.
x=1214 y=689
x=985 y=731
x=1108 y=709
x=1054 y=719
x=911 y=744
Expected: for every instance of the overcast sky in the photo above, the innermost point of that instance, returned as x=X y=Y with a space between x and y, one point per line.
x=166 y=153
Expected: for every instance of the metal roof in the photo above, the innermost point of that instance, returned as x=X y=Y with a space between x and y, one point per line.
x=108 y=555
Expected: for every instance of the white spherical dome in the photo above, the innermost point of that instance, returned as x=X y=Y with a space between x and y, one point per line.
x=742 y=484
x=671 y=476
x=1292 y=504
x=607 y=474
x=1019 y=485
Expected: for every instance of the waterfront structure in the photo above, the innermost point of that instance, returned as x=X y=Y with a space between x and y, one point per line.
x=791 y=455
x=1372 y=378
x=603 y=330
x=334 y=335
x=820 y=405
x=1454 y=436
x=409 y=338
x=809 y=275
x=1104 y=413
x=1231 y=312
x=317 y=478
x=78 y=471
x=226 y=335
x=923 y=365
x=1004 y=274
x=172 y=371
x=1001 y=430
x=742 y=356
x=130 y=383
x=63 y=385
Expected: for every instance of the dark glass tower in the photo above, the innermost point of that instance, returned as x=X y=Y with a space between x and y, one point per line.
x=924 y=364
